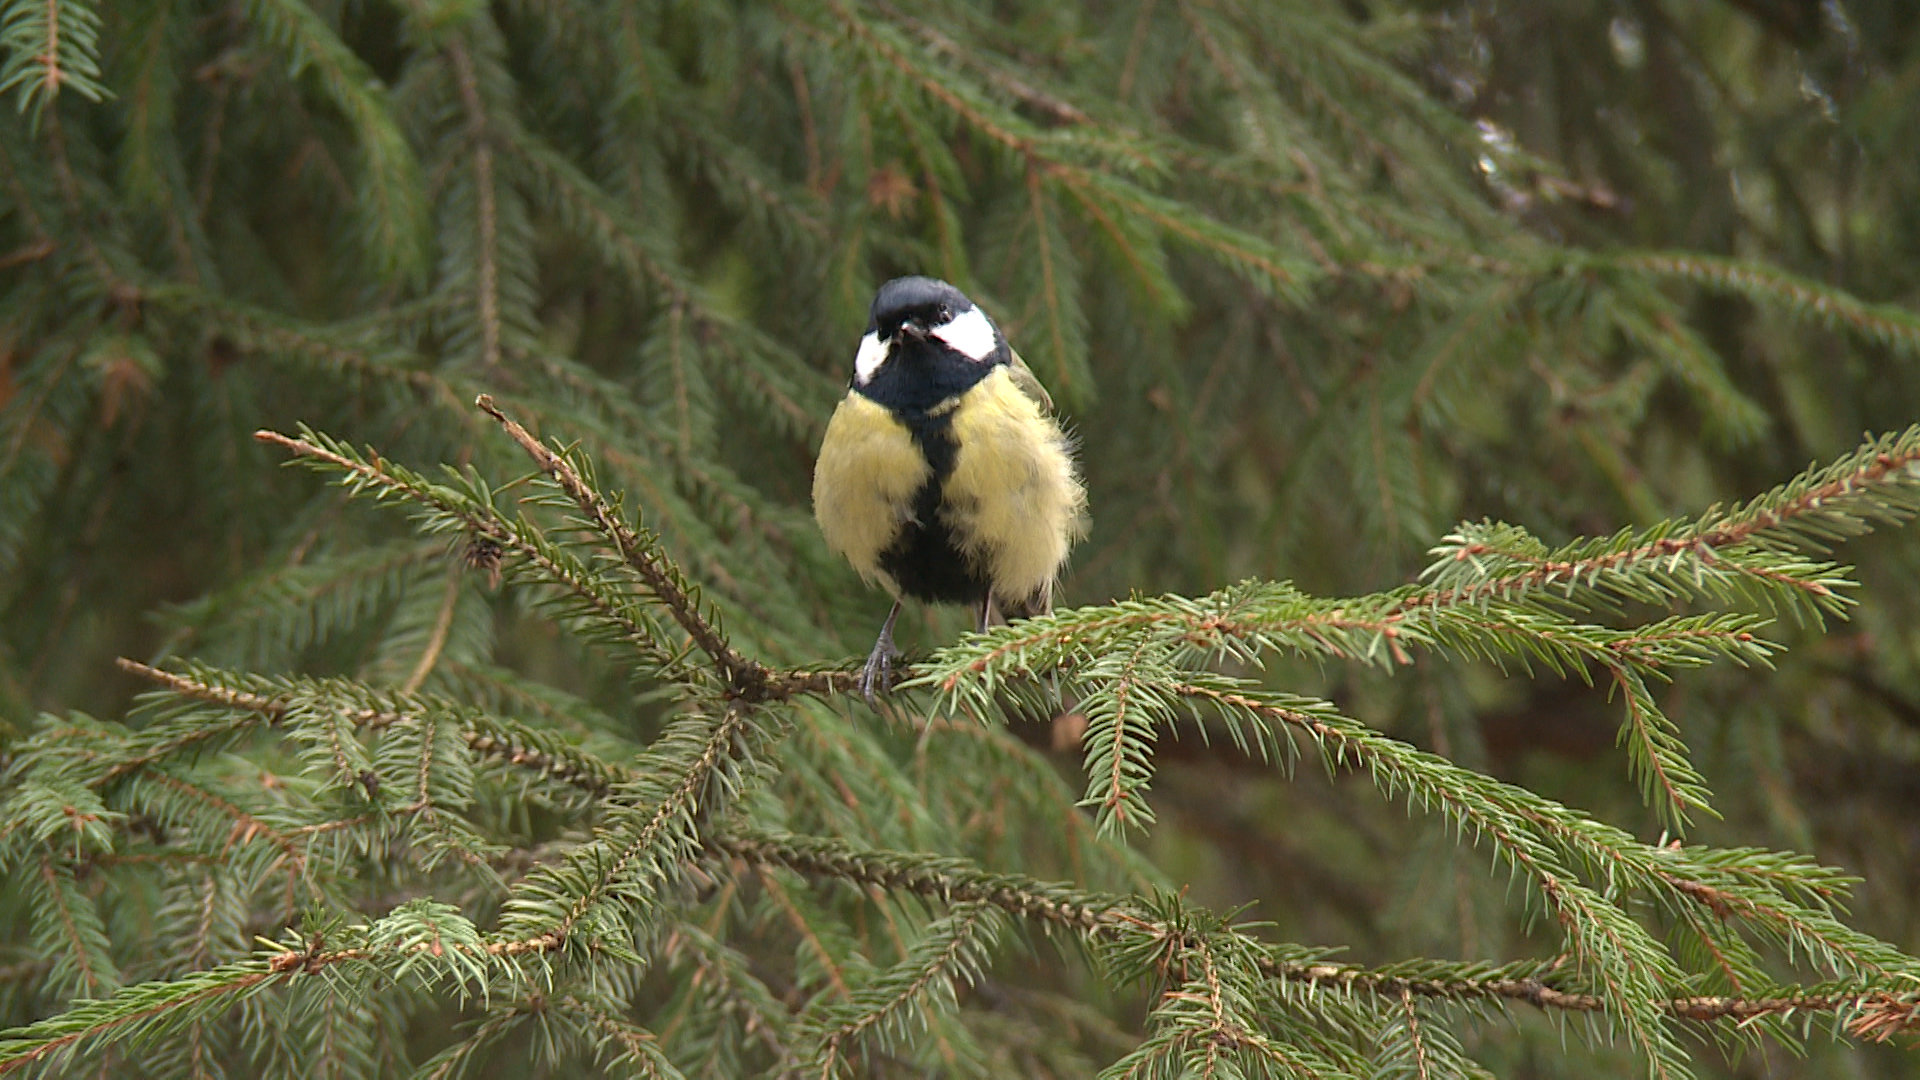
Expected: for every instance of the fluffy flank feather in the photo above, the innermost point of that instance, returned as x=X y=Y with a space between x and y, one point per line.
x=864 y=484
x=1013 y=499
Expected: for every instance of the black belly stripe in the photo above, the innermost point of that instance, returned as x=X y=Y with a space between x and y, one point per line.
x=925 y=558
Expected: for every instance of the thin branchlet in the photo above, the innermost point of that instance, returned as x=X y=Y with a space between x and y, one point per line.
x=595 y=780
x=487 y=279
x=748 y=677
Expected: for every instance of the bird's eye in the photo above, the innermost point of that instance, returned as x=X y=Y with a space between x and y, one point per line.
x=944 y=314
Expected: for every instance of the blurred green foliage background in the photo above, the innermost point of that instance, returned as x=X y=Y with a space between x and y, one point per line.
x=1311 y=280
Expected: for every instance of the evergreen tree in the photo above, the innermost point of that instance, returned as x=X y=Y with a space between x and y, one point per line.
x=520 y=738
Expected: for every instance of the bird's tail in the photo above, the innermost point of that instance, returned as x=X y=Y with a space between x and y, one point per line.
x=1066 y=715
x=1000 y=610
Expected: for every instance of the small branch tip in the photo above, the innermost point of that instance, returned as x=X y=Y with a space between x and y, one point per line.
x=267 y=435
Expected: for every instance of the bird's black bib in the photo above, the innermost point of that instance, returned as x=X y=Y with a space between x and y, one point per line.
x=917 y=389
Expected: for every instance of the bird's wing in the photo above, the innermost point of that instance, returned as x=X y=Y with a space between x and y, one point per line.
x=1027 y=381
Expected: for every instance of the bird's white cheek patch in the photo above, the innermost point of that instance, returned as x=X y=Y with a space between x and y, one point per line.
x=970 y=333
x=866 y=362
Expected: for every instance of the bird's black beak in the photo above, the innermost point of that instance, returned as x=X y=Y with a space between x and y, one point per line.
x=913 y=329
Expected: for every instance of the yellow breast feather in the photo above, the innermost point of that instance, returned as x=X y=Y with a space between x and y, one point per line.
x=1013 y=500
x=864 y=483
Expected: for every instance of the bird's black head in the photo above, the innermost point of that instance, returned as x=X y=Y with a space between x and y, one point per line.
x=924 y=340
x=915 y=306
x=934 y=327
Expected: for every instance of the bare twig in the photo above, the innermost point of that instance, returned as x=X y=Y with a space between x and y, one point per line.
x=437 y=640
x=32 y=251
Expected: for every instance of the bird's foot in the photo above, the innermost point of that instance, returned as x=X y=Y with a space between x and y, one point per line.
x=879 y=669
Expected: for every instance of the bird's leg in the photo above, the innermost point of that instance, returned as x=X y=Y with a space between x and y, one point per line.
x=986 y=612
x=880 y=660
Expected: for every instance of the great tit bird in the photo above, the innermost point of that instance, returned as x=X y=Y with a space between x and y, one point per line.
x=943 y=475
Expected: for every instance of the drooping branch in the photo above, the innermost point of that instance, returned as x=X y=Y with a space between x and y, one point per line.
x=1868 y=1011
x=1896 y=327
x=1519 y=821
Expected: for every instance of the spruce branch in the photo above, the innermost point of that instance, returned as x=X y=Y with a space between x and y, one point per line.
x=82 y=212
x=1050 y=156
x=412 y=937
x=144 y=1010
x=479 y=1040
x=1495 y=590
x=1875 y=1008
x=1894 y=327
x=391 y=205
x=1691 y=362
x=362 y=352
x=1057 y=109
x=1780 y=896
x=1413 y=1042
x=1629 y=966
x=1667 y=777
x=243 y=825
x=952 y=950
x=619 y=1041
x=68 y=927
x=723 y=986
x=601 y=602
x=831 y=964
x=764 y=367
x=654 y=825
x=51 y=45
x=739 y=174
x=249 y=709
x=1125 y=713
x=1540 y=840
x=1715 y=554
x=1242 y=622
x=473 y=513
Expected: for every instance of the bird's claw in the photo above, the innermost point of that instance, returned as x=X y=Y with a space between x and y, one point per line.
x=879 y=669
